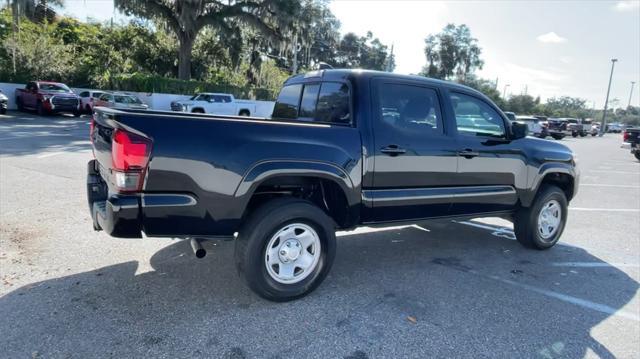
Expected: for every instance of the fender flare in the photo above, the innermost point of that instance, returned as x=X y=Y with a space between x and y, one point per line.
x=270 y=169
x=527 y=197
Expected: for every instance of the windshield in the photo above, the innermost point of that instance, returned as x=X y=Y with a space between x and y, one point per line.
x=54 y=88
x=127 y=99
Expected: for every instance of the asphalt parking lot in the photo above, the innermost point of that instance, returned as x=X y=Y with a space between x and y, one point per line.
x=456 y=289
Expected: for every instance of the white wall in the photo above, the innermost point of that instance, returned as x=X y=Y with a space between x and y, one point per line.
x=156 y=101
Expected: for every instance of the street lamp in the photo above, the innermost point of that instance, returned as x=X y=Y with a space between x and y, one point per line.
x=631 y=94
x=606 y=102
x=504 y=92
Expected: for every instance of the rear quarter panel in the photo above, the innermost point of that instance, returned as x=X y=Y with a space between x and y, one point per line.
x=211 y=159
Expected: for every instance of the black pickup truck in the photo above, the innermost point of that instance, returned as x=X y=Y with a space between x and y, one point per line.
x=343 y=148
x=631 y=141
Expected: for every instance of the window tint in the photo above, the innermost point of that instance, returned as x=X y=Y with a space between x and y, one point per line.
x=97 y=94
x=308 y=103
x=84 y=94
x=410 y=110
x=286 y=106
x=333 y=103
x=475 y=117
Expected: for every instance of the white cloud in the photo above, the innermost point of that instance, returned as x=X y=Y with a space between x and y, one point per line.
x=627 y=5
x=551 y=38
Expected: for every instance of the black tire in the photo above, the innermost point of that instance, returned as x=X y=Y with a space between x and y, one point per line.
x=88 y=110
x=256 y=233
x=40 y=110
x=637 y=155
x=574 y=134
x=197 y=110
x=77 y=113
x=557 y=137
x=3 y=111
x=583 y=134
x=525 y=222
x=19 y=104
x=245 y=113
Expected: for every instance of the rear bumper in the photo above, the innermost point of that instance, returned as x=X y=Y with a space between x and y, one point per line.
x=123 y=215
x=117 y=215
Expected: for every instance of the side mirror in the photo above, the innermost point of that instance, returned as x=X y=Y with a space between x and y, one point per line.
x=518 y=130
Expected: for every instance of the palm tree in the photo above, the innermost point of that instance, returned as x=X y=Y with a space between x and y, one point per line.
x=187 y=17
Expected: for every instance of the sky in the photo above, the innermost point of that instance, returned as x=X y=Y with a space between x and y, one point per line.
x=548 y=48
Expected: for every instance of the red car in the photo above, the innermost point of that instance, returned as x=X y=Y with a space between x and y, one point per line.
x=47 y=97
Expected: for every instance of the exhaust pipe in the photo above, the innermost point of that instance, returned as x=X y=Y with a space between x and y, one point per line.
x=198 y=250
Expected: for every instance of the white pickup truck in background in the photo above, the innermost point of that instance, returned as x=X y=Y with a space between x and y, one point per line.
x=215 y=103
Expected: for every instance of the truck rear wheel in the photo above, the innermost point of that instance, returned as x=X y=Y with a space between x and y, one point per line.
x=540 y=225
x=285 y=249
x=637 y=154
x=244 y=113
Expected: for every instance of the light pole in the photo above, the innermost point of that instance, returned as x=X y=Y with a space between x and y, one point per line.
x=504 y=92
x=631 y=93
x=606 y=102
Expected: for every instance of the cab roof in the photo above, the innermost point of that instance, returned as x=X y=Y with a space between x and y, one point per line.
x=344 y=74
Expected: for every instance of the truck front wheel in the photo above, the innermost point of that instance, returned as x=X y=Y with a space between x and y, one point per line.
x=540 y=225
x=244 y=113
x=285 y=249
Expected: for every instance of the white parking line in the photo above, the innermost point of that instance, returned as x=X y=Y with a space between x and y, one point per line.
x=618 y=172
x=607 y=185
x=594 y=264
x=365 y=230
x=632 y=210
x=602 y=308
x=49 y=154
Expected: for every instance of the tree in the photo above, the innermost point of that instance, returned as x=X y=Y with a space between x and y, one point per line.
x=487 y=87
x=186 y=18
x=567 y=106
x=364 y=52
x=522 y=104
x=452 y=52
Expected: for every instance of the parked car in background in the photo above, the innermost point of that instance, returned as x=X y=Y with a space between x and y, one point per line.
x=215 y=103
x=557 y=128
x=88 y=99
x=343 y=148
x=120 y=101
x=534 y=128
x=47 y=97
x=4 y=103
x=631 y=141
x=614 y=128
x=595 y=129
x=578 y=127
x=511 y=116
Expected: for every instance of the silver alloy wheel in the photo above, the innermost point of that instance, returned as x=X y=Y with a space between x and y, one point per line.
x=549 y=219
x=292 y=253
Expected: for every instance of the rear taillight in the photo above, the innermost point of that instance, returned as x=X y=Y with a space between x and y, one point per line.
x=130 y=156
x=625 y=136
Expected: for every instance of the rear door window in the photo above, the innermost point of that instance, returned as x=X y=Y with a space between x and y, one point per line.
x=334 y=103
x=286 y=106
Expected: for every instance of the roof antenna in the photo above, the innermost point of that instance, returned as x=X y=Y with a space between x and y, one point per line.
x=324 y=66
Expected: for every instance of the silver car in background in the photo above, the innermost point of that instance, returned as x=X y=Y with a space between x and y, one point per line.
x=121 y=101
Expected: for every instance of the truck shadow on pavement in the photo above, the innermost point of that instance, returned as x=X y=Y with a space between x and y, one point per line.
x=27 y=134
x=454 y=292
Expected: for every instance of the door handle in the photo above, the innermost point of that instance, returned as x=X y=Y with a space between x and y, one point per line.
x=393 y=150
x=468 y=153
